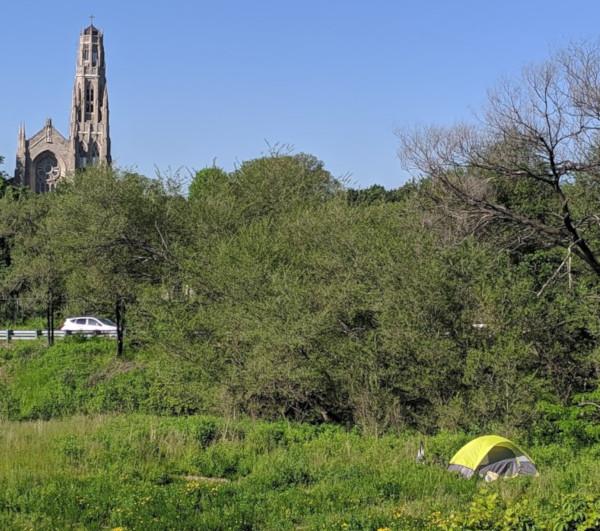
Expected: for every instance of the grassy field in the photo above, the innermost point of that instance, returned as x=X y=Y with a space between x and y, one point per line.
x=149 y=472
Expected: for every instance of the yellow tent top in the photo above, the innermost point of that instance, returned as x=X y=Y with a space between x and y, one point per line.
x=472 y=453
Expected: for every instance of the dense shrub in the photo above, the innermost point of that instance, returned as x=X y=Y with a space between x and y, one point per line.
x=272 y=292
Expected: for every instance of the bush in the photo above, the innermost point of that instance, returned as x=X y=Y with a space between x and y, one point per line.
x=207 y=431
x=227 y=460
x=573 y=425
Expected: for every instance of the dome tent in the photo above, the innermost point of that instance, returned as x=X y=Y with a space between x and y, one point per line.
x=492 y=456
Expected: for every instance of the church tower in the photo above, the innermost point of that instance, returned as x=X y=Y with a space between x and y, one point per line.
x=48 y=156
x=89 y=111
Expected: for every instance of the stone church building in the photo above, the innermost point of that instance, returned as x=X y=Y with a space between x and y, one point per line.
x=48 y=156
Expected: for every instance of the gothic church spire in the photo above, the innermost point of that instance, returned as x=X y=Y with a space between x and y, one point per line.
x=89 y=116
x=48 y=156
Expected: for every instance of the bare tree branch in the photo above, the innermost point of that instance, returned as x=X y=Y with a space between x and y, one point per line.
x=542 y=130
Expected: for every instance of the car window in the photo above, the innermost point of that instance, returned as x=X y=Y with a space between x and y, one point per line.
x=80 y=321
x=107 y=322
x=93 y=322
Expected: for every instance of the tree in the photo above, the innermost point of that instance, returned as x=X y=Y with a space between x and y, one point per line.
x=538 y=139
x=203 y=179
x=3 y=178
x=4 y=253
x=270 y=185
x=377 y=193
x=29 y=269
x=115 y=234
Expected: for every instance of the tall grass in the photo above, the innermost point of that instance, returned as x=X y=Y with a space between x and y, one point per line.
x=147 y=472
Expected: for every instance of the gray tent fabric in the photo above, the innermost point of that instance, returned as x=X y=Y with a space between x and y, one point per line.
x=510 y=467
x=462 y=470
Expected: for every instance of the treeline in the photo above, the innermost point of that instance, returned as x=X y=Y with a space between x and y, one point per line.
x=465 y=299
x=273 y=291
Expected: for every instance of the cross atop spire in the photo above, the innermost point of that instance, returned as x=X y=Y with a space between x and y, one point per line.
x=92 y=17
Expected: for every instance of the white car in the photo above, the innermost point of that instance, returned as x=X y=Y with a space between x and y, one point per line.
x=89 y=324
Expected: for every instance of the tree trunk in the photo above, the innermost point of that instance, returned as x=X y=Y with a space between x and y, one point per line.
x=50 y=319
x=585 y=252
x=120 y=316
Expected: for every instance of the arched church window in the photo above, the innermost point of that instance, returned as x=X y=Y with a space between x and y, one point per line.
x=47 y=172
x=94 y=55
x=89 y=99
x=93 y=152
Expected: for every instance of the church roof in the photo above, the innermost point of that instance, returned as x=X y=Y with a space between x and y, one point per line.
x=91 y=30
x=42 y=133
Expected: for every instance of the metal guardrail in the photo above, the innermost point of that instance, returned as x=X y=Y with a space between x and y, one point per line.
x=24 y=335
x=29 y=335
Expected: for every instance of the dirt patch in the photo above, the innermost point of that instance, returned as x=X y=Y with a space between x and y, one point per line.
x=204 y=479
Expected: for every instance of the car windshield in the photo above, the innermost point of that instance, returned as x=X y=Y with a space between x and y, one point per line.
x=107 y=322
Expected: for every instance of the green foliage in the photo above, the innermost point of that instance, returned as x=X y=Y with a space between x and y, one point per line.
x=574 y=425
x=72 y=377
x=144 y=472
x=207 y=432
x=272 y=292
x=3 y=179
x=377 y=193
x=204 y=181
x=443 y=445
x=489 y=511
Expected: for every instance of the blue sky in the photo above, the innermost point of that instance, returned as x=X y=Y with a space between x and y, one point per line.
x=192 y=81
